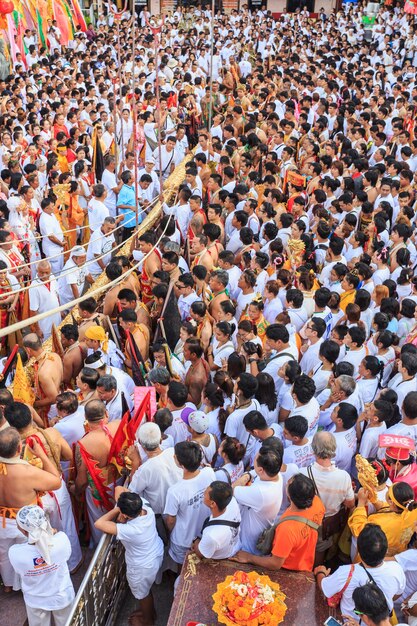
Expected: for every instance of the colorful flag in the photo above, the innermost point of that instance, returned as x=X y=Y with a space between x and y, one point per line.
x=126 y=433
x=22 y=391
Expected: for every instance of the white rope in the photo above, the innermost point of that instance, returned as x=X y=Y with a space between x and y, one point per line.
x=64 y=232
x=69 y=305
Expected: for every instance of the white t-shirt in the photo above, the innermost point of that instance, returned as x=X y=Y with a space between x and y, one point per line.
x=47 y=587
x=355 y=357
x=185 y=502
x=72 y=274
x=97 y=212
x=99 y=245
x=142 y=544
x=302 y=456
x=234 y=427
x=109 y=181
x=49 y=225
x=389 y=577
x=408 y=562
x=334 y=486
x=368 y=389
x=369 y=442
x=178 y=430
x=346 y=443
x=41 y=300
x=259 y=506
x=311 y=411
x=220 y=541
x=228 y=473
x=153 y=479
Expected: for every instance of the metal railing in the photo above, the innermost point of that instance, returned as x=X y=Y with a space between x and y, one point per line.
x=103 y=588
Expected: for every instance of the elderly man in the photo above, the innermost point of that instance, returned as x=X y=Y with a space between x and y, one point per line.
x=71 y=283
x=41 y=563
x=115 y=400
x=43 y=297
x=334 y=487
x=96 y=476
x=158 y=469
x=20 y=485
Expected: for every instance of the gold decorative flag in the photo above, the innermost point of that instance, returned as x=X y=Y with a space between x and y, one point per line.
x=22 y=391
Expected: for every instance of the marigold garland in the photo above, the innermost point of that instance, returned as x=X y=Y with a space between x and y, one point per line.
x=249 y=599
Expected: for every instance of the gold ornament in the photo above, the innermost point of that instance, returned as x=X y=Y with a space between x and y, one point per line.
x=367 y=477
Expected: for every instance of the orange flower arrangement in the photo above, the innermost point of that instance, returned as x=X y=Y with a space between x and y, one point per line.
x=249 y=600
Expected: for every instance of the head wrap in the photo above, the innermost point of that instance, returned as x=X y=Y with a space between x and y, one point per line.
x=33 y=520
x=391 y=496
x=78 y=251
x=97 y=333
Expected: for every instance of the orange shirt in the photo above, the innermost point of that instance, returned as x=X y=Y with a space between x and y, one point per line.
x=296 y=542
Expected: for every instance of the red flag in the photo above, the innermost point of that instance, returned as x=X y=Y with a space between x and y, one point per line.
x=126 y=433
x=102 y=495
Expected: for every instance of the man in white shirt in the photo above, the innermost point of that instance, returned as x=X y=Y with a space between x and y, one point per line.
x=41 y=563
x=109 y=181
x=185 y=509
x=277 y=342
x=153 y=477
x=314 y=331
x=43 y=297
x=132 y=521
x=115 y=400
x=185 y=284
x=405 y=380
x=220 y=533
x=53 y=238
x=100 y=246
x=344 y=418
x=260 y=500
x=97 y=210
x=372 y=548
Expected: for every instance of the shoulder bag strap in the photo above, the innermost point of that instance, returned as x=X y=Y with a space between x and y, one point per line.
x=299 y=518
x=276 y=356
x=310 y=475
x=221 y=522
x=223 y=469
x=368 y=574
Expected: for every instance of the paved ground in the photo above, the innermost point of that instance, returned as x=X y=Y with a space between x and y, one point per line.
x=163 y=595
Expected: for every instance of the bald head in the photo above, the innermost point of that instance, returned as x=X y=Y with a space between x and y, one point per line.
x=32 y=342
x=324 y=445
x=95 y=410
x=43 y=265
x=9 y=443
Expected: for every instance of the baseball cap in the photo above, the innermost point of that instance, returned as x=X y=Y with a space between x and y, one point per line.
x=198 y=421
x=185 y=414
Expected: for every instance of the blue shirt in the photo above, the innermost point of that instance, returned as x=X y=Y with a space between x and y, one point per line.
x=127 y=196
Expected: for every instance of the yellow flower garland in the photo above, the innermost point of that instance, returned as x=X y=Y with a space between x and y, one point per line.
x=249 y=599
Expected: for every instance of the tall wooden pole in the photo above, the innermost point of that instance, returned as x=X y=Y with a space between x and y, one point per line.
x=210 y=117
x=134 y=113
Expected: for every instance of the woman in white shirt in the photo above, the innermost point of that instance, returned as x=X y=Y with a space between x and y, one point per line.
x=382 y=273
x=222 y=345
x=231 y=451
x=370 y=371
x=267 y=397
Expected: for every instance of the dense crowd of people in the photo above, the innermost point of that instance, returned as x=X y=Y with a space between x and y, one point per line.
x=272 y=308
